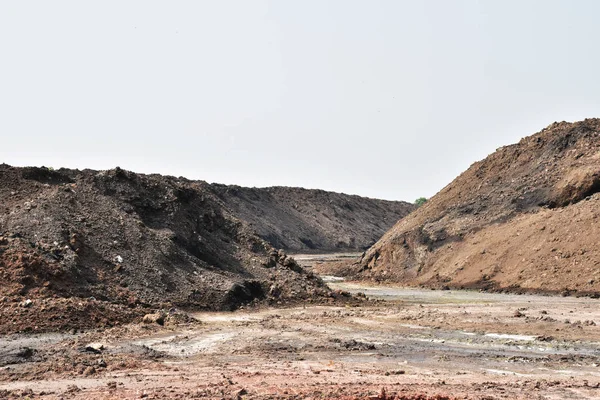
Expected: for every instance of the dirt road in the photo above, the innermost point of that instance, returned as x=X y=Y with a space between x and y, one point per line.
x=449 y=344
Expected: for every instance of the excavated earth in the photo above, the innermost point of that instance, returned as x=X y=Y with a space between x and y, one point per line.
x=308 y=220
x=525 y=219
x=83 y=249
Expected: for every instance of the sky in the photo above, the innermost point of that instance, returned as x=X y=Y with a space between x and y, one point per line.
x=387 y=99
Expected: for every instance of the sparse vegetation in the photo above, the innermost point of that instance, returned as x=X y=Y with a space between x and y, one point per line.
x=420 y=201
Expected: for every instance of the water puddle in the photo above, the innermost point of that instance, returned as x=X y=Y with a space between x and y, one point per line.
x=505 y=372
x=205 y=317
x=519 y=338
x=34 y=340
x=332 y=279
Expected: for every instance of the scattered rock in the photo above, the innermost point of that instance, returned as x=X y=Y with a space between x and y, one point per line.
x=155 y=318
x=96 y=348
x=355 y=345
x=73 y=389
x=26 y=303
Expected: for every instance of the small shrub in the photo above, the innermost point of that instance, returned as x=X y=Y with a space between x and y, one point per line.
x=420 y=201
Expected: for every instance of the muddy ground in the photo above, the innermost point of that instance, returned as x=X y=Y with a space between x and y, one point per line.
x=408 y=343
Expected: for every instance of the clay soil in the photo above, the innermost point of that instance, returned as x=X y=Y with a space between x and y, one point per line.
x=403 y=344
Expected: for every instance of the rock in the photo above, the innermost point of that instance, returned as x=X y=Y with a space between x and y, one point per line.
x=26 y=352
x=26 y=304
x=355 y=345
x=240 y=393
x=544 y=338
x=73 y=389
x=89 y=371
x=282 y=255
x=274 y=291
x=156 y=318
x=119 y=259
x=95 y=347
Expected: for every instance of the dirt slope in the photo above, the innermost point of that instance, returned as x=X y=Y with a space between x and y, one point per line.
x=304 y=220
x=525 y=219
x=92 y=247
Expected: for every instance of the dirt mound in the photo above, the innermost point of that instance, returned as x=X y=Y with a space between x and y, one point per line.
x=131 y=240
x=524 y=219
x=297 y=219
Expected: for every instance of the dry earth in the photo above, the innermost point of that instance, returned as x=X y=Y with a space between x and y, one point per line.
x=301 y=220
x=404 y=344
x=524 y=219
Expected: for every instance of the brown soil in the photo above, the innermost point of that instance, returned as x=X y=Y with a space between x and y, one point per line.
x=523 y=219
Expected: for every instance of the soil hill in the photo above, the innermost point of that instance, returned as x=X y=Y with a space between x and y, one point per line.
x=308 y=220
x=86 y=248
x=524 y=219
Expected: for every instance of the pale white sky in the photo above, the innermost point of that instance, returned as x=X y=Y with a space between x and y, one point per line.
x=389 y=99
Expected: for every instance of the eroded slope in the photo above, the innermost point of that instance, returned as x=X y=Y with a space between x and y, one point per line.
x=525 y=218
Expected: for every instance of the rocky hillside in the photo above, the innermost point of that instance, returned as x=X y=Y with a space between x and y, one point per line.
x=524 y=219
x=303 y=220
x=116 y=241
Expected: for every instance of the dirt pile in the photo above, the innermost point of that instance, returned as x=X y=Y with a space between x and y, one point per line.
x=524 y=219
x=297 y=219
x=118 y=241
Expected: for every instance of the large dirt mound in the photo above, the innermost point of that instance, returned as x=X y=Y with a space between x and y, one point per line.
x=525 y=218
x=115 y=238
x=307 y=220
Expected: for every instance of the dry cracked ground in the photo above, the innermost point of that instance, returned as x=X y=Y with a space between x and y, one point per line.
x=404 y=344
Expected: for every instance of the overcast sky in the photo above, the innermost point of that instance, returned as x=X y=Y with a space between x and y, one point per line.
x=389 y=99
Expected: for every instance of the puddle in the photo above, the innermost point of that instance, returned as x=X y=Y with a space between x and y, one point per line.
x=411 y=295
x=312 y=258
x=332 y=279
x=205 y=317
x=15 y=341
x=414 y=326
x=519 y=338
x=504 y=372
